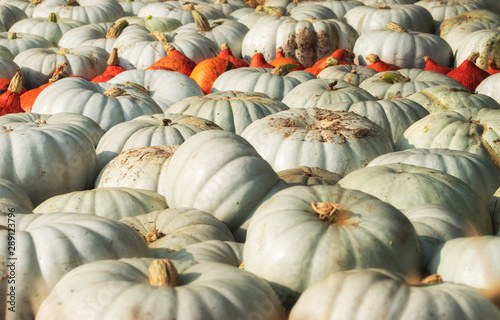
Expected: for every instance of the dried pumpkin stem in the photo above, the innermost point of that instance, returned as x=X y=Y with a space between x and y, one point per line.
x=283 y=69
x=114 y=92
x=162 y=273
x=473 y=57
x=201 y=21
x=16 y=83
x=63 y=51
x=326 y=210
x=394 y=77
x=72 y=3
x=153 y=235
x=113 y=59
x=40 y=121
x=332 y=61
x=115 y=31
x=392 y=26
x=12 y=36
x=331 y=85
x=373 y=58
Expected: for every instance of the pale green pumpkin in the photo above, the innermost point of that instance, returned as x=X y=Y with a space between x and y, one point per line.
x=477 y=172
x=13 y=199
x=337 y=141
x=112 y=203
x=229 y=186
x=405 y=186
x=232 y=110
x=49 y=245
x=173 y=229
x=380 y=294
x=202 y=291
x=302 y=234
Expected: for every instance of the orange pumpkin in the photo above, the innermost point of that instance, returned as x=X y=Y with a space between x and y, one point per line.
x=174 y=61
x=226 y=53
x=343 y=56
x=113 y=68
x=207 y=71
x=468 y=74
x=379 y=65
x=259 y=61
x=10 y=101
x=281 y=59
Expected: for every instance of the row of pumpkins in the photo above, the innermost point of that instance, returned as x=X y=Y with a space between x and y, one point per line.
x=231 y=160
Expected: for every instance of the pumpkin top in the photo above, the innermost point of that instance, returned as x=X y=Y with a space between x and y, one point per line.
x=162 y=273
x=201 y=21
x=284 y=69
x=392 y=26
x=116 y=29
x=16 y=84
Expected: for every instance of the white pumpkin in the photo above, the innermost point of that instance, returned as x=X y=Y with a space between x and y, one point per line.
x=111 y=203
x=17 y=43
x=47 y=160
x=220 y=186
x=489 y=87
x=392 y=183
x=337 y=141
x=173 y=229
x=213 y=291
x=303 y=234
x=38 y=65
x=88 y=11
x=13 y=199
x=380 y=294
x=179 y=86
x=105 y=103
x=231 y=110
x=49 y=245
x=228 y=252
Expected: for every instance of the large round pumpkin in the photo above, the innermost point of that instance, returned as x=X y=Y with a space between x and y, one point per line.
x=303 y=234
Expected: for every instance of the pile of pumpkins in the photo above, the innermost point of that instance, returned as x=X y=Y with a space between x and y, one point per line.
x=249 y=160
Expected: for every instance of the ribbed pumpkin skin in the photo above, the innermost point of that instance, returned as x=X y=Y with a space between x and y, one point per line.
x=477 y=172
x=473 y=130
x=442 y=10
x=146 y=131
x=260 y=80
x=349 y=73
x=367 y=18
x=12 y=197
x=111 y=203
x=178 y=228
x=318 y=93
x=88 y=11
x=419 y=79
x=308 y=176
x=474 y=261
x=489 y=87
x=364 y=232
x=394 y=115
x=444 y=97
x=38 y=65
x=52 y=160
x=23 y=42
x=87 y=98
x=50 y=245
x=206 y=72
x=337 y=141
x=179 y=85
x=211 y=291
x=379 y=294
x=52 y=31
x=231 y=110
x=35 y=120
x=390 y=182
x=219 y=186
x=228 y=252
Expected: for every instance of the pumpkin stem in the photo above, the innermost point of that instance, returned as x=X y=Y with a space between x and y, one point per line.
x=392 y=26
x=150 y=17
x=168 y=47
x=116 y=29
x=114 y=92
x=273 y=11
x=160 y=36
x=284 y=69
x=12 y=36
x=63 y=51
x=72 y=3
x=331 y=85
x=220 y=2
x=52 y=17
x=113 y=59
x=16 y=83
x=393 y=77
x=188 y=6
x=331 y=61
x=166 y=122
x=242 y=266
x=354 y=71
x=372 y=58
x=473 y=57
x=36 y=2
x=432 y=279
x=326 y=211
x=201 y=21
x=162 y=273
x=136 y=86
x=40 y=121
x=383 y=7
x=154 y=234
